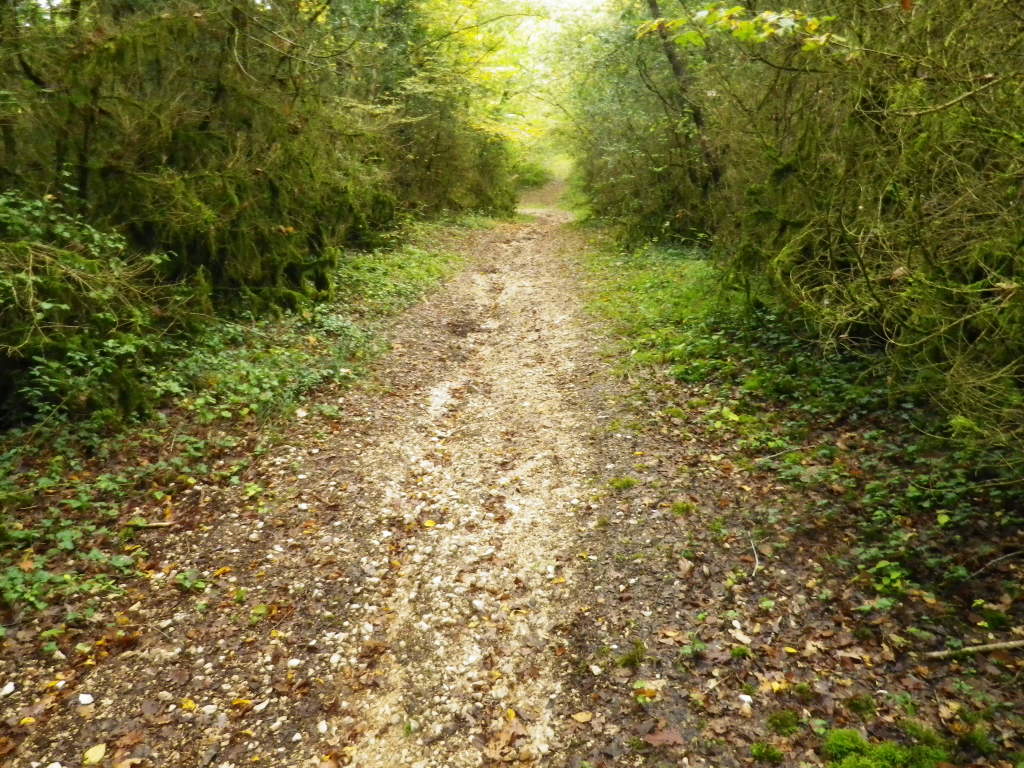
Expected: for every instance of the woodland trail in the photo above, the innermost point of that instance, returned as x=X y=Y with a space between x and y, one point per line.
x=407 y=577
x=493 y=551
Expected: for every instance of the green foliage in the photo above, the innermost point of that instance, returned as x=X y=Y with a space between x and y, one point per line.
x=766 y=753
x=848 y=749
x=740 y=652
x=78 y=312
x=784 y=722
x=64 y=536
x=847 y=170
x=918 y=509
x=622 y=483
x=634 y=657
x=190 y=581
x=242 y=144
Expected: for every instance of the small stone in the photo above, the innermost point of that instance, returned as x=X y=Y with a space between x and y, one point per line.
x=85 y=699
x=528 y=753
x=261 y=706
x=322 y=726
x=7 y=690
x=297 y=737
x=293 y=663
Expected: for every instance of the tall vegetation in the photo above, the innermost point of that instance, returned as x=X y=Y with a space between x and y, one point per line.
x=160 y=159
x=857 y=164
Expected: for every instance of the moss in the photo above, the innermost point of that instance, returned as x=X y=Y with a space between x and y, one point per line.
x=766 y=753
x=849 y=749
x=844 y=742
x=784 y=722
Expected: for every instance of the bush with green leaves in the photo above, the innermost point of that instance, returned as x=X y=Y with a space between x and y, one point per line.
x=79 y=312
x=845 y=163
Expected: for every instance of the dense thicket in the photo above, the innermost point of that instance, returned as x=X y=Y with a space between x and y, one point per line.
x=241 y=141
x=864 y=171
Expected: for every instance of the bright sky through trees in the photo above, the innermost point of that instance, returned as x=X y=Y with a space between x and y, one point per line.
x=570 y=6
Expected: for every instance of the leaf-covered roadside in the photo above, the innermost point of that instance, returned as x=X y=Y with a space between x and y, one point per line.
x=770 y=572
x=76 y=499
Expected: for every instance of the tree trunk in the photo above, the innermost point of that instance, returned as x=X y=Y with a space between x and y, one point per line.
x=713 y=170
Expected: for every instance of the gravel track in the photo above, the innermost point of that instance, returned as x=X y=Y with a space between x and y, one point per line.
x=405 y=577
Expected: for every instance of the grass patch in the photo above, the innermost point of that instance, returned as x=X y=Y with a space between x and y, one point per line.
x=622 y=483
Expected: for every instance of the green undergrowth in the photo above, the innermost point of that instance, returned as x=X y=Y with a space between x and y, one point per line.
x=69 y=483
x=895 y=507
x=923 y=512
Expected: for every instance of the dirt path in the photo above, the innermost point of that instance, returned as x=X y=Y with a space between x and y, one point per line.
x=389 y=595
x=492 y=459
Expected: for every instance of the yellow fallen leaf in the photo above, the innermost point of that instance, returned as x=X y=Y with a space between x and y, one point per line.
x=26 y=721
x=93 y=755
x=429 y=523
x=790 y=649
x=188 y=705
x=222 y=571
x=583 y=717
x=241 y=703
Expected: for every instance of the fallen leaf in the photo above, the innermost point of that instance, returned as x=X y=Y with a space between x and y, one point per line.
x=130 y=739
x=741 y=636
x=94 y=755
x=668 y=737
x=583 y=717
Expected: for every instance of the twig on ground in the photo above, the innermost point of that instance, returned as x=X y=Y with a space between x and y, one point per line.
x=993 y=562
x=757 y=560
x=975 y=649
